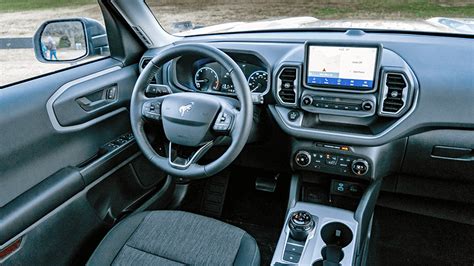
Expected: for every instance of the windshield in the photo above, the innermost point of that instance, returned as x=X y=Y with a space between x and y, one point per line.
x=189 y=17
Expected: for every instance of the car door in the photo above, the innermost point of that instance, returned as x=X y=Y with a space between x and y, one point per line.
x=69 y=167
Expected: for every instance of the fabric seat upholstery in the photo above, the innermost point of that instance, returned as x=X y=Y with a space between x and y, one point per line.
x=175 y=238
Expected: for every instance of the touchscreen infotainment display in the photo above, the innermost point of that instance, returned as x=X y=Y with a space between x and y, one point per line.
x=341 y=66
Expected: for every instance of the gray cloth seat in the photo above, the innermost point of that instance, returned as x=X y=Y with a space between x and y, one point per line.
x=175 y=238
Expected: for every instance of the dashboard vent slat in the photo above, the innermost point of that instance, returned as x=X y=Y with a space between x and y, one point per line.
x=141 y=34
x=396 y=90
x=287 y=85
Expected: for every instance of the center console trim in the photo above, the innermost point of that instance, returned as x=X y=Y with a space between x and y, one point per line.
x=280 y=113
x=312 y=250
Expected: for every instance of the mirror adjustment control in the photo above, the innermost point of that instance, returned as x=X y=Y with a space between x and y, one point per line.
x=360 y=167
x=303 y=158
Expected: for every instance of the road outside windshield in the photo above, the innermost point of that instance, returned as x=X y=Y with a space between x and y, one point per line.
x=186 y=17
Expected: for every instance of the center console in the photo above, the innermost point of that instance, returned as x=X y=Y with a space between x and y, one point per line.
x=330 y=238
x=342 y=103
x=319 y=234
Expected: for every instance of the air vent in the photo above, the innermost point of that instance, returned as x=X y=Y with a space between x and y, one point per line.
x=395 y=93
x=145 y=62
x=142 y=36
x=287 y=81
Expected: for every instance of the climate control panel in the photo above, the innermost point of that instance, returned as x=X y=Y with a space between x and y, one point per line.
x=329 y=162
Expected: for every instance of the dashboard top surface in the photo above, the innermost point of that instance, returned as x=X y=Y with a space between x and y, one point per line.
x=440 y=67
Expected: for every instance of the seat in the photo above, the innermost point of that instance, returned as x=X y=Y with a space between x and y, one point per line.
x=175 y=238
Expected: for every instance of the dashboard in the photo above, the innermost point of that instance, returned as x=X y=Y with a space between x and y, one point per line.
x=357 y=96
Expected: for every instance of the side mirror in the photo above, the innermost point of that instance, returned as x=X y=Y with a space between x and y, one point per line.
x=70 y=40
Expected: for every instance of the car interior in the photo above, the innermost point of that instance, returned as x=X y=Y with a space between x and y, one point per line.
x=240 y=148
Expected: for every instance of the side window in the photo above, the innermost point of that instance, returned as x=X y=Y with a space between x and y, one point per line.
x=40 y=37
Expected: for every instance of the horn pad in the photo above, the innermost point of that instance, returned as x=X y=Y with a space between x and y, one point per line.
x=188 y=117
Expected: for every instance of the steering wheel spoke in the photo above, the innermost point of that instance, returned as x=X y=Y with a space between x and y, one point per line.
x=178 y=162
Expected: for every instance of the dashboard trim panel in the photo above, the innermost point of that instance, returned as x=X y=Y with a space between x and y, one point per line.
x=318 y=134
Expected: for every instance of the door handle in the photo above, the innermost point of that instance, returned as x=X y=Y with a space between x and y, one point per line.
x=98 y=99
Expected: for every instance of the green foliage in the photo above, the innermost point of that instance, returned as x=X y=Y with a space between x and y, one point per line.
x=392 y=9
x=359 y=9
x=20 y=5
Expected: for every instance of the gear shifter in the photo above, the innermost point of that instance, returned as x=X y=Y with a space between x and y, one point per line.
x=300 y=223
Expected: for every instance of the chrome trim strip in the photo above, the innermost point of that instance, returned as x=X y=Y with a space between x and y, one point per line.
x=198 y=154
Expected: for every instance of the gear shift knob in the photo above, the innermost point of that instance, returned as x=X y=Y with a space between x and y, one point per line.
x=300 y=223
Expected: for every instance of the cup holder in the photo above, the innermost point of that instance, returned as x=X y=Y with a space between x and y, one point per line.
x=336 y=236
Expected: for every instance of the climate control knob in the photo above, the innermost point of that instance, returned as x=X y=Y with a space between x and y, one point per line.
x=360 y=167
x=307 y=100
x=303 y=158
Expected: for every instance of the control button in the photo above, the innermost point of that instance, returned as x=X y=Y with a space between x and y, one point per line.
x=344 y=170
x=340 y=187
x=223 y=122
x=119 y=141
x=128 y=136
x=303 y=158
x=294 y=248
x=293 y=115
x=360 y=167
x=112 y=93
x=367 y=106
x=291 y=257
x=307 y=100
x=344 y=188
x=331 y=159
x=355 y=189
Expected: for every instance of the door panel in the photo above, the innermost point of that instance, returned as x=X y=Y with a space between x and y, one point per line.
x=69 y=168
x=32 y=148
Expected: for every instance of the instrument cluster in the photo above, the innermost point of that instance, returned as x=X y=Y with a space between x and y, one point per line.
x=212 y=77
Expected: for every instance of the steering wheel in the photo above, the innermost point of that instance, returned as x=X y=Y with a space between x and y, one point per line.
x=192 y=121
